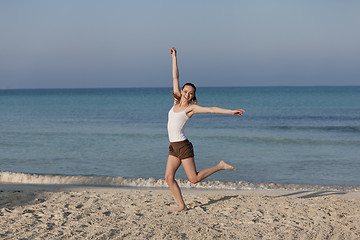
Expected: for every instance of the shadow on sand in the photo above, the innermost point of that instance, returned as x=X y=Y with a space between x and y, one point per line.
x=212 y=201
x=311 y=194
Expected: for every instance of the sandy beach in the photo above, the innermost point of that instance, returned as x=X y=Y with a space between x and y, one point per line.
x=32 y=212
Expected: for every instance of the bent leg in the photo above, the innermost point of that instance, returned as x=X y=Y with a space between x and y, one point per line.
x=172 y=166
x=195 y=177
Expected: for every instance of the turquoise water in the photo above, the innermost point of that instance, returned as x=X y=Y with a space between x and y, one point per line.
x=296 y=135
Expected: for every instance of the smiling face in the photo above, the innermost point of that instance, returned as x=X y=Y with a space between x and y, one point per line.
x=187 y=93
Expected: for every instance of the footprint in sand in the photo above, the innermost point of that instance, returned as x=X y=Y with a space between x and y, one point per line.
x=66 y=214
x=79 y=206
x=107 y=213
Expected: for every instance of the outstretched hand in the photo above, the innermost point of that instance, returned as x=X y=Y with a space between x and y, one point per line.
x=173 y=52
x=238 y=112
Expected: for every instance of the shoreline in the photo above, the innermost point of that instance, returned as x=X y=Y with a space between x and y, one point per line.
x=296 y=193
x=81 y=187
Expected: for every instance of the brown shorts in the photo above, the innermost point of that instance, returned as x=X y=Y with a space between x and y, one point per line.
x=181 y=150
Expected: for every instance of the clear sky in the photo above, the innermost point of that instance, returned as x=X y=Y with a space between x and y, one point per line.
x=85 y=43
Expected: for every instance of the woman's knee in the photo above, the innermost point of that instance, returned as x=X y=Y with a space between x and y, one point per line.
x=169 y=178
x=194 y=180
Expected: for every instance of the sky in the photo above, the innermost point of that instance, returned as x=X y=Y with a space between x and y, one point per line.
x=105 y=44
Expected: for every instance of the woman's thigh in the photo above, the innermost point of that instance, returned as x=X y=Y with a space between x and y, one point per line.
x=172 y=166
x=189 y=167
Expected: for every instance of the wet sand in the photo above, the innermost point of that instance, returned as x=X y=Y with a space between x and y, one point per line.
x=64 y=212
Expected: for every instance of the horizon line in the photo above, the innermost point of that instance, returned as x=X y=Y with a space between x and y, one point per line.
x=264 y=86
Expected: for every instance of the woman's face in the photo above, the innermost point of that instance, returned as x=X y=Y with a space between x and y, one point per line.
x=187 y=93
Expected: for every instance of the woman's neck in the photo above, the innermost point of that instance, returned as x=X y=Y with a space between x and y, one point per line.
x=183 y=104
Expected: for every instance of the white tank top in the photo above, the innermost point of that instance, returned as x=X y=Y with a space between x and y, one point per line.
x=176 y=124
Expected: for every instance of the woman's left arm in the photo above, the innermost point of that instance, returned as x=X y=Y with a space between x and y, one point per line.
x=199 y=109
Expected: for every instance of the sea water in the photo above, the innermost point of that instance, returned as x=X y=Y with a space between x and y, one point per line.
x=288 y=135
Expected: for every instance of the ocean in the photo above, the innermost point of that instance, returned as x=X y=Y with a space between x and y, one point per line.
x=288 y=136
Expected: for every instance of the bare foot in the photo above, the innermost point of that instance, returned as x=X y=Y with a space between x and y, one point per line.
x=224 y=166
x=179 y=209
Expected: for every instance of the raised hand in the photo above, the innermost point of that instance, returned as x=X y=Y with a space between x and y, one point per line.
x=173 y=52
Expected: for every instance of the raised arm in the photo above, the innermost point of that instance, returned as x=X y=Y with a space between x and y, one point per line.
x=175 y=72
x=199 y=109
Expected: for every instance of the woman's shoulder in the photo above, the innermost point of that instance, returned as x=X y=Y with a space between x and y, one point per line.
x=191 y=108
x=189 y=111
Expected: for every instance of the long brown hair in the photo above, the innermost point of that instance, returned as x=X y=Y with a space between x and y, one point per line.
x=177 y=98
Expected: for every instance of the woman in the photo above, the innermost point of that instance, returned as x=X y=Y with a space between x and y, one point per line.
x=180 y=149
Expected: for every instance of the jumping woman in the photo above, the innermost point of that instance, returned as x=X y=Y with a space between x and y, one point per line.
x=180 y=149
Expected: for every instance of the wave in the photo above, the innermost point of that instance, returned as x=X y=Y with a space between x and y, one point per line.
x=26 y=178
x=283 y=140
x=96 y=134
x=348 y=129
x=277 y=118
x=241 y=139
x=345 y=129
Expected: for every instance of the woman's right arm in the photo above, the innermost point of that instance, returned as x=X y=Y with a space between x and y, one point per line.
x=199 y=109
x=175 y=72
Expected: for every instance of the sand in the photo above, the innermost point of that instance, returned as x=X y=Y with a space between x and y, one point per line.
x=122 y=213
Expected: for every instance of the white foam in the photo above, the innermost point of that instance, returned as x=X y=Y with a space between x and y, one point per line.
x=25 y=178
